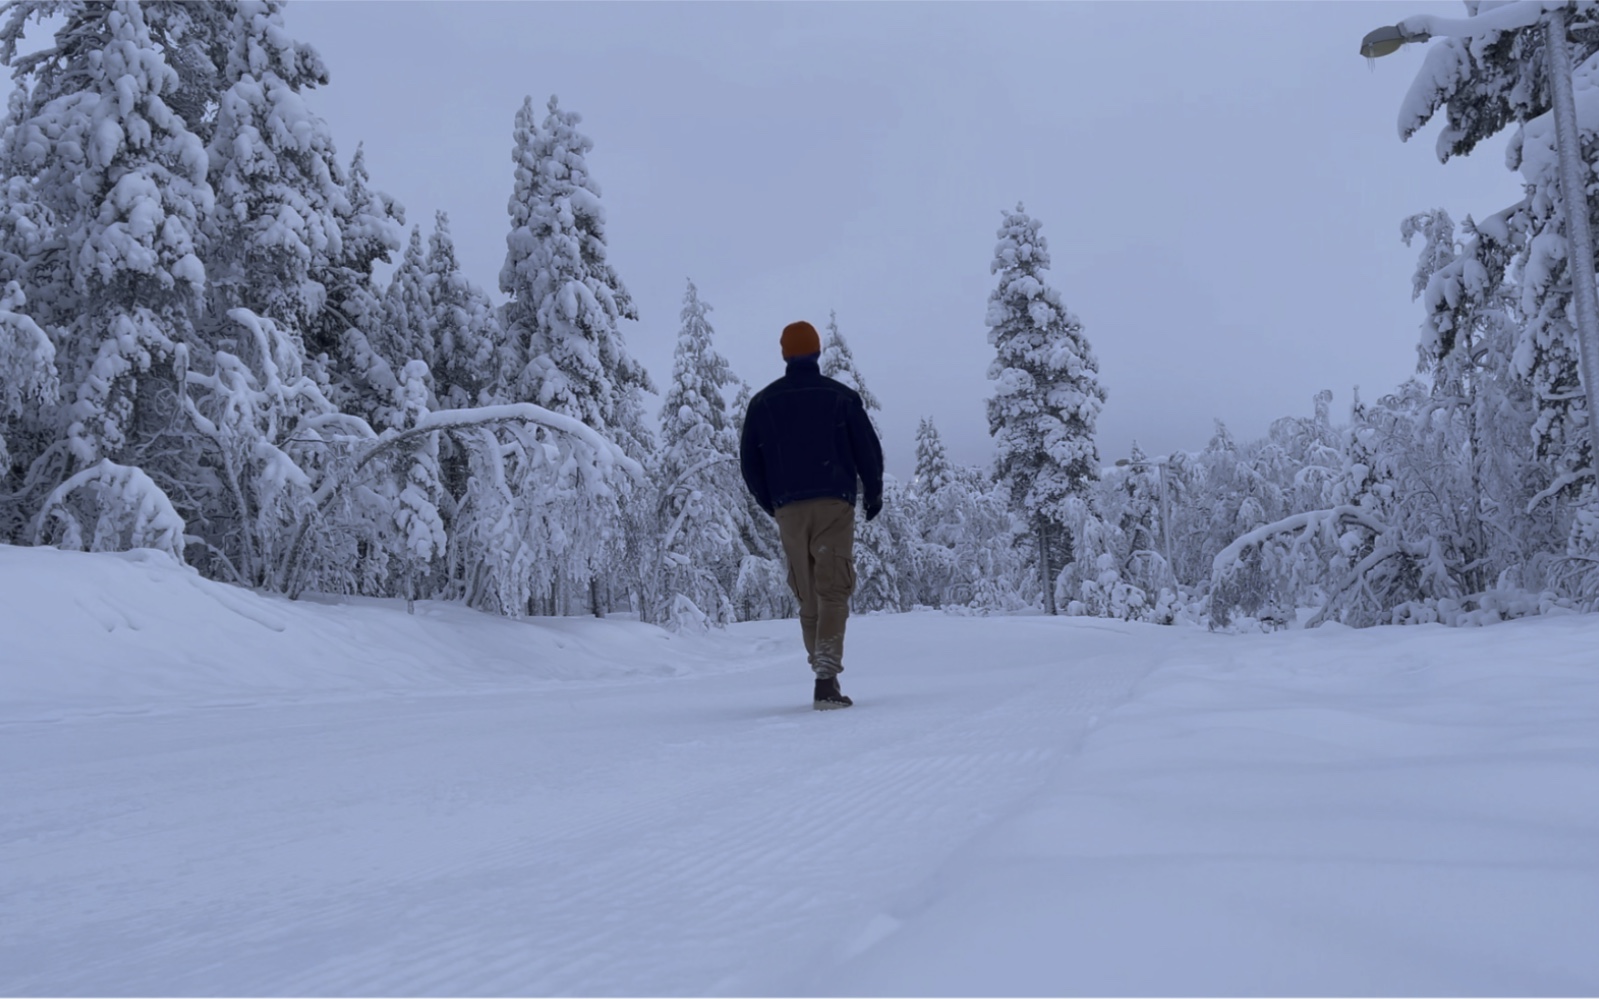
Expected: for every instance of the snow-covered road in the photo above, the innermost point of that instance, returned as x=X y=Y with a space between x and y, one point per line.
x=707 y=834
x=345 y=799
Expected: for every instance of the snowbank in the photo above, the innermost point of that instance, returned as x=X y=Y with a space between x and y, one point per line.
x=136 y=632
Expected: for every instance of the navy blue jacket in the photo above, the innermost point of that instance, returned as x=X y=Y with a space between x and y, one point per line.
x=807 y=436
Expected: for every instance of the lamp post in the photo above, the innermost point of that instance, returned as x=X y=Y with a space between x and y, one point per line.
x=1573 y=193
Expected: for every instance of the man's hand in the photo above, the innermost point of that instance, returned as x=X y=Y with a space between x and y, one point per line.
x=874 y=507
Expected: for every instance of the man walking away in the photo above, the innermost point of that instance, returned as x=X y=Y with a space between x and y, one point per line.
x=806 y=441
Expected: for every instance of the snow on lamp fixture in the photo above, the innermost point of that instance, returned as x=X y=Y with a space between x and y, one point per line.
x=1388 y=40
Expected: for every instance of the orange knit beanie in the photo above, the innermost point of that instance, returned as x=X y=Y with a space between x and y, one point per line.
x=800 y=339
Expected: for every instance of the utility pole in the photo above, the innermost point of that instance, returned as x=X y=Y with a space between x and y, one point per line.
x=1159 y=465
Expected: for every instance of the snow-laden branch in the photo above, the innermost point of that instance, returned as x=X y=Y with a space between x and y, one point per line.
x=1451 y=63
x=606 y=454
x=1341 y=516
x=1522 y=14
x=358 y=431
x=682 y=480
x=1556 y=486
x=27 y=357
x=1357 y=574
x=609 y=453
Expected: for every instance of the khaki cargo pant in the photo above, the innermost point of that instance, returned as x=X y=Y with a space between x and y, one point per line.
x=819 y=540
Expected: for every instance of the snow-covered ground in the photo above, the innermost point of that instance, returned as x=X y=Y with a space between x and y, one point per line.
x=208 y=791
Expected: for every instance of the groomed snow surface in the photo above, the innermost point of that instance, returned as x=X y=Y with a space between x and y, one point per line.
x=205 y=791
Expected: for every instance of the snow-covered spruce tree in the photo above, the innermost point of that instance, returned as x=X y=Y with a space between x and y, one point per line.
x=468 y=360
x=22 y=219
x=1485 y=85
x=354 y=537
x=197 y=39
x=1192 y=504
x=418 y=528
x=248 y=394
x=986 y=555
x=761 y=591
x=468 y=344
x=405 y=332
x=965 y=557
x=114 y=278
x=29 y=382
x=358 y=379
x=563 y=321
x=933 y=471
x=838 y=362
x=1047 y=398
x=1269 y=518
x=884 y=548
x=399 y=519
x=937 y=513
x=887 y=555
x=701 y=501
x=274 y=172
x=962 y=555
x=567 y=302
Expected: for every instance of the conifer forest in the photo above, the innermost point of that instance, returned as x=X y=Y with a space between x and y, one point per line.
x=220 y=339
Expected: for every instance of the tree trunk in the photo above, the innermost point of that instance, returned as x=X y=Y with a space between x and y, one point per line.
x=1045 y=576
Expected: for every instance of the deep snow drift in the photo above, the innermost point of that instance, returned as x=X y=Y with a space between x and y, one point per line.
x=208 y=791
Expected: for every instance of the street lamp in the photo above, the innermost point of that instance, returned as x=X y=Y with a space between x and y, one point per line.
x=1568 y=151
x=1388 y=40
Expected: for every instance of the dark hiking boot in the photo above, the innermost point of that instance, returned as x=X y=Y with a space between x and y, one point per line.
x=828 y=696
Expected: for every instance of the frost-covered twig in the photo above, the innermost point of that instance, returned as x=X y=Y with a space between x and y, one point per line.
x=221 y=557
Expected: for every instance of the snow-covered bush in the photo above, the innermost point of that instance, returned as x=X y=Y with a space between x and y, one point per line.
x=110 y=508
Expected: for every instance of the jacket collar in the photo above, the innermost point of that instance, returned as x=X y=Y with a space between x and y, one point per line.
x=805 y=364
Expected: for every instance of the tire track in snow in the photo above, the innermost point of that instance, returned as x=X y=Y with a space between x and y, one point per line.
x=723 y=875
x=706 y=864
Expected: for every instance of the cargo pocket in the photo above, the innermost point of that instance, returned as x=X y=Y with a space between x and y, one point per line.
x=840 y=582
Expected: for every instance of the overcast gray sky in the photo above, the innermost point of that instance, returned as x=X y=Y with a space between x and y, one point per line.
x=1221 y=184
